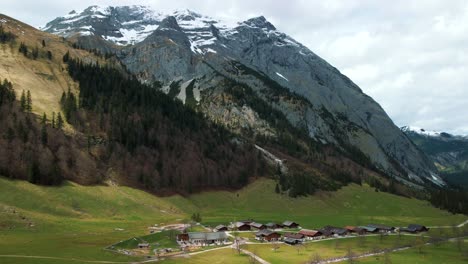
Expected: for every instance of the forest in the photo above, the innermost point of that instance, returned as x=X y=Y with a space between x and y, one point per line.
x=154 y=140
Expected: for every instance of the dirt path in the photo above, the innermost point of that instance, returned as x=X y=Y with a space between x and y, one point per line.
x=257 y=258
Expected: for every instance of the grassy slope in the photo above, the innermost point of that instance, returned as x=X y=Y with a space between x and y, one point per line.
x=352 y=205
x=74 y=221
x=44 y=78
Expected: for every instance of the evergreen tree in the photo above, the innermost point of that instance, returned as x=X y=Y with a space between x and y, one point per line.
x=43 y=43
x=28 y=101
x=23 y=101
x=66 y=57
x=53 y=119
x=35 y=53
x=44 y=137
x=44 y=119
x=59 y=121
x=277 y=189
x=23 y=49
x=49 y=55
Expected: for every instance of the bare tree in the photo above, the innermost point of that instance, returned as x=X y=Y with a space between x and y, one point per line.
x=350 y=255
x=315 y=258
x=275 y=245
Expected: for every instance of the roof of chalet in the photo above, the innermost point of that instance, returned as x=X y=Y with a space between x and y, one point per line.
x=294 y=235
x=257 y=225
x=307 y=232
x=382 y=227
x=239 y=224
x=369 y=228
x=416 y=227
x=288 y=223
x=207 y=235
x=265 y=232
x=271 y=224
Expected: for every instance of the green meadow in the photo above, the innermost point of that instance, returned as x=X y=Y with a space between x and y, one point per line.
x=74 y=223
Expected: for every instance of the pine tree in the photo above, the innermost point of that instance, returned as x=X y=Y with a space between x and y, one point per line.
x=277 y=189
x=43 y=43
x=66 y=57
x=53 y=119
x=59 y=121
x=44 y=119
x=44 y=137
x=28 y=102
x=49 y=55
x=23 y=101
x=35 y=53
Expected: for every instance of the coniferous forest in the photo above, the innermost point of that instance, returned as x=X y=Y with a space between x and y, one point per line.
x=152 y=138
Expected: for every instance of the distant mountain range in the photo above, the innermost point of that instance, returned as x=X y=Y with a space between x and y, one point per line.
x=204 y=62
x=449 y=152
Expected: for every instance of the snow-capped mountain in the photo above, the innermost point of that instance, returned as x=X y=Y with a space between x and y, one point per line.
x=432 y=133
x=201 y=61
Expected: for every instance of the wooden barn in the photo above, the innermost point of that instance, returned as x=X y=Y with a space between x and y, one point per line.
x=258 y=226
x=290 y=224
x=311 y=234
x=267 y=235
x=241 y=226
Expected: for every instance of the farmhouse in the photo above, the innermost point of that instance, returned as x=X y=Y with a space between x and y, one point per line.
x=413 y=228
x=331 y=230
x=311 y=234
x=355 y=230
x=241 y=226
x=382 y=228
x=143 y=245
x=220 y=228
x=296 y=236
x=258 y=226
x=267 y=235
x=273 y=226
x=203 y=238
x=370 y=229
x=290 y=224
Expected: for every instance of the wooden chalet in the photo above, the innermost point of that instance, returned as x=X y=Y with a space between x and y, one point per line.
x=267 y=235
x=290 y=224
x=293 y=238
x=336 y=231
x=143 y=245
x=241 y=226
x=273 y=226
x=383 y=228
x=369 y=229
x=220 y=228
x=311 y=234
x=413 y=228
x=203 y=237
x=355 y=230
x=258 y=226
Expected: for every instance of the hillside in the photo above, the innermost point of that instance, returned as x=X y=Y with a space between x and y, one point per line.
x=82 y=220
x=255 y=80
x=448 y=152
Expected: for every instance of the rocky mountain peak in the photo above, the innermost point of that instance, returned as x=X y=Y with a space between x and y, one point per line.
x=169 y=22
x=260 y=22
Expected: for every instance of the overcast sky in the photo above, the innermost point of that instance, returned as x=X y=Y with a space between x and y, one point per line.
x=410 y=56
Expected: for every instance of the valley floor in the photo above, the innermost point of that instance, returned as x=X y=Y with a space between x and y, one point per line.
x=73 y=223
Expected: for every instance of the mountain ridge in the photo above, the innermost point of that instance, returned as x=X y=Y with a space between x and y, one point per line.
x=332 y=109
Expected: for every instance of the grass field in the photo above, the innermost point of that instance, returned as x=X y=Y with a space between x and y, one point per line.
x=77 y=222
x=447 y=253
x=325 y=249
x=352 y=205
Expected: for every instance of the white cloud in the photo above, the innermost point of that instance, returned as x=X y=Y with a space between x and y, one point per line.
x=410 y=55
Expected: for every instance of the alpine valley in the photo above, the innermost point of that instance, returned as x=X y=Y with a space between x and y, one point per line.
x=128 y=135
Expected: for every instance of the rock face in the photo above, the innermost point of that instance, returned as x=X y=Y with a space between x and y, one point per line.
x=448 y=152
x=194 y=58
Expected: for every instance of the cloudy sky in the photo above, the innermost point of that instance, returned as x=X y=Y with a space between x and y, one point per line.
x=410 y=56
